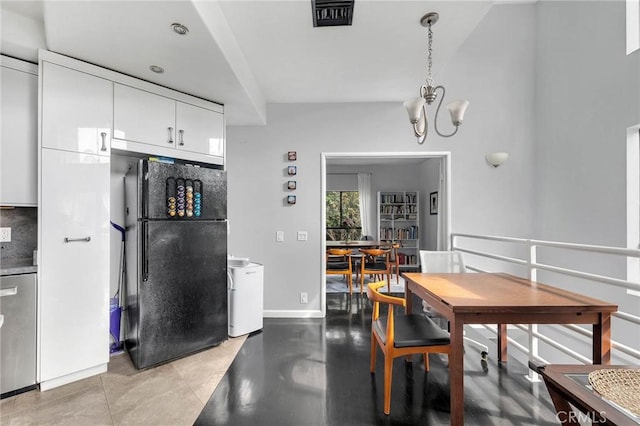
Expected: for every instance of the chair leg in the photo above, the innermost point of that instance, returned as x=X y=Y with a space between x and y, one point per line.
x=350 y=277
x=388 y=374
x=374 y=347
x=426 y=361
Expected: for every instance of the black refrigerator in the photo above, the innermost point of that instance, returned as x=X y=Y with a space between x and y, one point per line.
x=176 y=261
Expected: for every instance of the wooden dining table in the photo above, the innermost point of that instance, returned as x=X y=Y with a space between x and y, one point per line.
x=358 y=244
x=497 y=298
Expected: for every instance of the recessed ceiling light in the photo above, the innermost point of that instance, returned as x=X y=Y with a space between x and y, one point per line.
x=179 y=29
x=156 y=69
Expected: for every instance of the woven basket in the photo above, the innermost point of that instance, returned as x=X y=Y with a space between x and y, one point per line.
x=621 y=386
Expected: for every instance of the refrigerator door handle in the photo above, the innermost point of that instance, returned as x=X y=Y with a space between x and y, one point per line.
x=144 y=252
x=230 y=286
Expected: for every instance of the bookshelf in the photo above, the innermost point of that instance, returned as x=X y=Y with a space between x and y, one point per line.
x=398 y=221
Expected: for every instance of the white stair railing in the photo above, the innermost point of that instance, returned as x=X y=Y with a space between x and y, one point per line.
x=533 y=266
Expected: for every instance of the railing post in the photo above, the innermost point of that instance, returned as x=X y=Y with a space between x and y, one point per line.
x=533 y=328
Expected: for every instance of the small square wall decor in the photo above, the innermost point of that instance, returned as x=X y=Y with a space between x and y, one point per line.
x=291 y=184
x=292 y=155
x=291 y=199
x=292 y=170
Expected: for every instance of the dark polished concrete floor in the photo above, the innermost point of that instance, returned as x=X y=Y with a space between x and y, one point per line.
x=316 y=372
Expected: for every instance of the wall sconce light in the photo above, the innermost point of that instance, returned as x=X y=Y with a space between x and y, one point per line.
x=417 y=108
x=496 y=158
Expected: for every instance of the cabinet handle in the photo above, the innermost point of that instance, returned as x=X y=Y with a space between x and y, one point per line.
x=181 y=137
x=104 y=142
x=76 y=240
x=170 y=134
x=11 y=291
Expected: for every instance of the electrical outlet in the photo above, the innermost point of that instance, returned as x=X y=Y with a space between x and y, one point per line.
x=303 y=236
x=279 y=236
x=5 y=235
x=304 y=297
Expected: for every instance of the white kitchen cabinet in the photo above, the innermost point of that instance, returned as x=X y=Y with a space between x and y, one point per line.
x=141 y=116
x=19 y=137
x=73 y=269
x=144 y=117
x=77 y=110
x=199 y=130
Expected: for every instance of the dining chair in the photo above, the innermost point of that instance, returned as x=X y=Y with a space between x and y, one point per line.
x=401 y=335
x=394 y=260
x=445 y=262
x=375 y=262
x=339 y=263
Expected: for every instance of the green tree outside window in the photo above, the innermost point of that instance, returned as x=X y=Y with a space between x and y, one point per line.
x=343 y=215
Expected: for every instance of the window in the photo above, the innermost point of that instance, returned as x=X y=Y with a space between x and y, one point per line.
x=343 y=215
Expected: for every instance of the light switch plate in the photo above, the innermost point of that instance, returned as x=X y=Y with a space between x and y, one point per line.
x=279 y=236
x=5 y=235
x=303 y=236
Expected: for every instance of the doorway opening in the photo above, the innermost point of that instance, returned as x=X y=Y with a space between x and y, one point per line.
x=423 y=173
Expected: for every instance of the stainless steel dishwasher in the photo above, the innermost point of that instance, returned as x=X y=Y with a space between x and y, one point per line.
x=18 y=333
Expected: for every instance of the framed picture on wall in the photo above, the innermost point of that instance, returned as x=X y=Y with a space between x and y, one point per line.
x=292 y=170
x=291 y=184
x=433 y=203
x=292 y=155
x=291 y=199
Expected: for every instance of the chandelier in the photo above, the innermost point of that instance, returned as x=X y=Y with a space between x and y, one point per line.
x=417 y=107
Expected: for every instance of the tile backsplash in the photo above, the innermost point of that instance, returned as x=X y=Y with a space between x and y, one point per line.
x=23 y=222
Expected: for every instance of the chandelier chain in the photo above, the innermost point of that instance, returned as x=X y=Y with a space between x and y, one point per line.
x=430 y=59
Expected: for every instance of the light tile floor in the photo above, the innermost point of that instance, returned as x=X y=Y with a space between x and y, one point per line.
x=170 y=394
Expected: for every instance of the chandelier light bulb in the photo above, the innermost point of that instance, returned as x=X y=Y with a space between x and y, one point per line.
x=414 y=108
x=457 y=109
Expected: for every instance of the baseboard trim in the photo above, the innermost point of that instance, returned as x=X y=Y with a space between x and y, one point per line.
x=73 y=377
x=293 y=314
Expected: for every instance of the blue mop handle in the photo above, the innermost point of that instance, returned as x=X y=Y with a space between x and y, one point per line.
x=119 y=228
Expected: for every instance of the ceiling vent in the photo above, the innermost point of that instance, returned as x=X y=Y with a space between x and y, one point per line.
x=331 y=13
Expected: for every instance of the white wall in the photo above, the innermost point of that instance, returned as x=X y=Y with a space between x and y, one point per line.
x=430 y=172
x=494 y=70
x=587 y=95
x=582 y=116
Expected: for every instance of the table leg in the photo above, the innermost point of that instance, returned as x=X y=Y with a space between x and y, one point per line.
x=602 y=340
x=456 y=371
x=502 y=342
x=564 y=412
x=408 y=298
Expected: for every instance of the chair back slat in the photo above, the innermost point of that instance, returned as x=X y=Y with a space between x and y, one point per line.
x=441 y=261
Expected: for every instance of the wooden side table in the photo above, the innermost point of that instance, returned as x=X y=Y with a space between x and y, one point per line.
x=569 y=384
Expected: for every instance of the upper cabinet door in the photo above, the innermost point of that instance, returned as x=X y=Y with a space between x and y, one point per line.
x=145 y=117
x=77 y=110
x=199 y=130
x=19 y=141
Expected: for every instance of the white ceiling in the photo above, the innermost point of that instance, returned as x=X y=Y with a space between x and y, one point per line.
x=246 y=54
